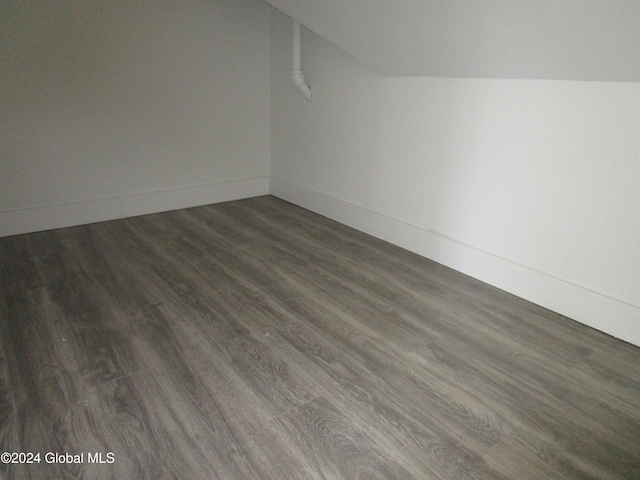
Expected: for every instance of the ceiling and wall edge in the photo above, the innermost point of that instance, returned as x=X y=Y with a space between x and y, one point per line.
x=588 y=40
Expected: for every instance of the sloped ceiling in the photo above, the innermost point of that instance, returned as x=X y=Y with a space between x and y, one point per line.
x=537 y=39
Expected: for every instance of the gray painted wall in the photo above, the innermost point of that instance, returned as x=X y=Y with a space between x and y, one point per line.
x=115 y=108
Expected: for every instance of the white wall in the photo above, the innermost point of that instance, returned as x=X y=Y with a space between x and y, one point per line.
x=114 y=108
x=531 y=186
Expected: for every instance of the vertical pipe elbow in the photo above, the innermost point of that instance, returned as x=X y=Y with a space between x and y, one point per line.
x=299 y=81
x=296 y=72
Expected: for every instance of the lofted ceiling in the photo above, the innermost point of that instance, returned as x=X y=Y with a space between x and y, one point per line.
x=537 y=39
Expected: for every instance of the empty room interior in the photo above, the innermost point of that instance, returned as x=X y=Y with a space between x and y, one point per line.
x=348 y=239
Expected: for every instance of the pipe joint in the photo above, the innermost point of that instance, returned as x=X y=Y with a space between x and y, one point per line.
x=296 y=72
x=299 y=81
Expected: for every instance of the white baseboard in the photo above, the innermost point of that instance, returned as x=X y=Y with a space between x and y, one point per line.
x=56 y=216
x=609 y=315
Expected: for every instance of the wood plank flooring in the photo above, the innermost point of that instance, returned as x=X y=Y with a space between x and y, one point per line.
x=257 y=340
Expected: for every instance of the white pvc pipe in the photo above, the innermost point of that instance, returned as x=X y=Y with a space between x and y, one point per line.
x=296 y=71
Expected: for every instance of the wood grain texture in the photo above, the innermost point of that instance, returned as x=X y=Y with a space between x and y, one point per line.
x=257 y=340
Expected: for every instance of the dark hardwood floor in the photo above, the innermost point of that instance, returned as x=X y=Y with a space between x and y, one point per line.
x=257 y=340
